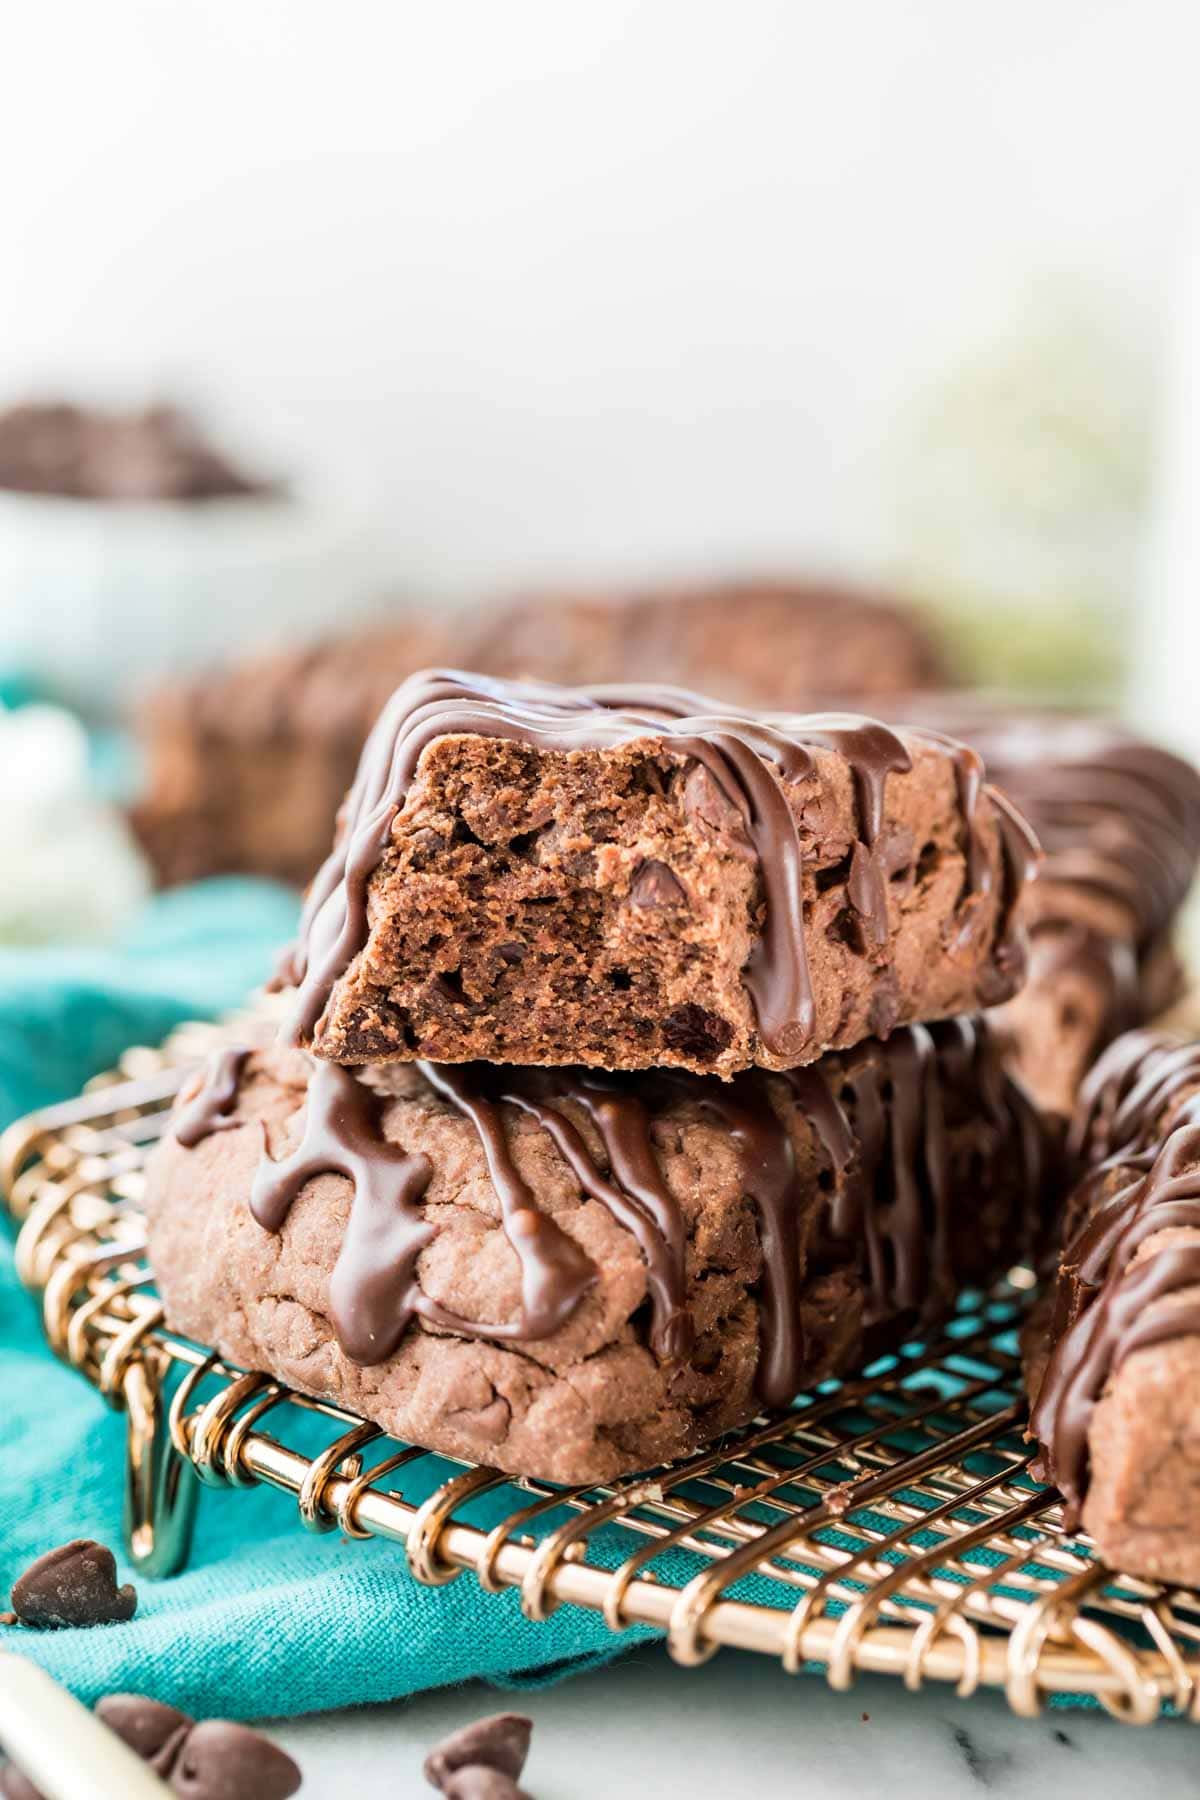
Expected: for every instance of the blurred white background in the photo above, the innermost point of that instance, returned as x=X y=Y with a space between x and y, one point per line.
x=595 y=288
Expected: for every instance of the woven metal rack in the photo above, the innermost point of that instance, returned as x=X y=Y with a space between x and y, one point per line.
x=889 y=1523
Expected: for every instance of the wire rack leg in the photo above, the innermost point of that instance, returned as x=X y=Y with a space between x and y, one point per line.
x=161 y=1487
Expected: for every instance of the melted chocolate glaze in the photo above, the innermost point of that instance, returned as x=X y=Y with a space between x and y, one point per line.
x=878 y=1114
x=1136 y=1140
x=1116 y=817
x=750 y=757
x=212 y=1104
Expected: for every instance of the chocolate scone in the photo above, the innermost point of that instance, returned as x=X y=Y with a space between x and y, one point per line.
x=572 y=1275
x=636 y=877
x=247 y=767
x=1113 y=1361
x=754 y=642
x=1119 y=822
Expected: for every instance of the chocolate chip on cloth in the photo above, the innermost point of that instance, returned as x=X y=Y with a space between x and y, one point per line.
x=73 y=1585
x=483 y=1760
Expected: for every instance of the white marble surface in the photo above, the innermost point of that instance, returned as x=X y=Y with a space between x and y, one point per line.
x=643 y=1729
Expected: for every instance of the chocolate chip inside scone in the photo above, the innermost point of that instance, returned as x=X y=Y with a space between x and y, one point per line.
x=572 y=1275
x=1113 y=1360
x=640 y=879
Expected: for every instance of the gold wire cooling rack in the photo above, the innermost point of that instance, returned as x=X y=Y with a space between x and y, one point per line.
x=889 y=1523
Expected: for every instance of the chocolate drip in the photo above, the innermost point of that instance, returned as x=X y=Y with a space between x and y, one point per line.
x=877 y=1114
x=637 y=1196
x=893 y=1193
x=749 y=758
x=1021 y=853
x=1124 y=1101
x=769 y=1173
x=1137 y=1136
x=874 y=753
x=1117 y=818
x=554 y=1271
x=211 y=1106
x=373 y=1290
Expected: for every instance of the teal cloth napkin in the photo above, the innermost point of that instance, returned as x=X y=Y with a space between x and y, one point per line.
x=266 y=1620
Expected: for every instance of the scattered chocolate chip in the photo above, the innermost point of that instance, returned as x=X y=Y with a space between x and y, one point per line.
x=422 y=846
x=704 y=798
x=884 y=1009
x=154 y=1730
x=511 y=953
x=894 y=847
x=696 y=1033
x=223 y=1761
x=16 y=1786
x=73 y=1585
x=656 y=885
x=499 y=1744
x=475 y=1782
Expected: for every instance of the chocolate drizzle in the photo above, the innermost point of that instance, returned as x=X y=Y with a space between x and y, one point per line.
x=373 y=1290
x=877 y=1113
x=751 y=759
x=1117 y=818
x=1136 y=1137
x=210 y=1108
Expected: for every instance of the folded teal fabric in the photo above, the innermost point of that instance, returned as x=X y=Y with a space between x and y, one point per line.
x=266 y=1620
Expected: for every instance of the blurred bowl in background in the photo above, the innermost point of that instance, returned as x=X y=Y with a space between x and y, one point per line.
x=100 y=596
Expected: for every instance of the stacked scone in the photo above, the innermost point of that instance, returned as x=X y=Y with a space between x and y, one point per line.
x=634 y=1077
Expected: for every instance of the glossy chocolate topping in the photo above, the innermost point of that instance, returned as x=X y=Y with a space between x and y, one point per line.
x=752 y=759
x=210 y=1106
x=1115 y=816
x=878 y=1113
x=1136 y=1137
